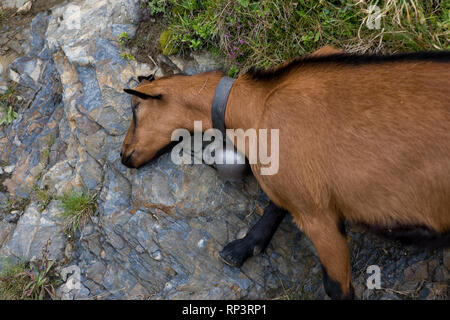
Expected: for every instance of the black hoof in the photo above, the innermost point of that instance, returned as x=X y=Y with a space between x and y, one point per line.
x=236 y=252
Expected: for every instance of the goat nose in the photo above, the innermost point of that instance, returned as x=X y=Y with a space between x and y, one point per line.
x=126 y=159
x=121 y=153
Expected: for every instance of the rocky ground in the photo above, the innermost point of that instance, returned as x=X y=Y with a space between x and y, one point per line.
x=158 y=230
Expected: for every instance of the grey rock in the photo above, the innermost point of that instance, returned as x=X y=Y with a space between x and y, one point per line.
x=15 y=46
x=32 y=232
x=447 y=258
x=37 y=35
x=206 y=61
x=3 y=39
x=25 y=8
x=13 y=4
x=3 y=86
x=13 y=216
x=9 y=169
x=3 y=202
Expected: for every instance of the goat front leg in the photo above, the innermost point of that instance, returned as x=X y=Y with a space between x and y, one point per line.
x=257 y=238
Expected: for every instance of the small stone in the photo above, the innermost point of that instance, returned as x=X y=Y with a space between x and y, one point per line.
x=17 y=142
x=25 y=8
x=15 y=46
x=417 y=272
x=84 y=292
x=241 y=234
x=14 y=76
x=3 y=40
x=68 y=251
x=408 y=286
x=13 y=216
x=9 y=169
x=168 y=286
x=156 y=255
x=434 y=291
x=178 y=61
x=3 y=87
x=206 y=61
x=389 y=296
x=201 y=243
x=66 y=296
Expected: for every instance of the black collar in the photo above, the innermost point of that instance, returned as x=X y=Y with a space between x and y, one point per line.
x=219 y=104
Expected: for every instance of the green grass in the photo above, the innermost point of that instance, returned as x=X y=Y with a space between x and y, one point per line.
x=123 y=38
x=13 y=281
x=126 y=56
x=42 y=196
x=7 y=113
x=45 y=154
x=268 y=32
x=123 y=41
x=77 y=207
x=29 y=280
x=46 y=148
x=51 y=140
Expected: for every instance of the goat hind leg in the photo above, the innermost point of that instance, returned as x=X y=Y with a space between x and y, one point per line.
x=328 y=237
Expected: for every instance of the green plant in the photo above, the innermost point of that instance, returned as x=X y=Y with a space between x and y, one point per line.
x=45 y=154
x=233 y=71
x=15 y=203
x=9 y=116
x=77 y=207
x=268 y=32
x=167 y=43
x=123 y=38
x=156 y=6
x=126 y=56
x=7 y=101
x=51 y=140
x=12 y=281
x=43 y=197
x=29 y=280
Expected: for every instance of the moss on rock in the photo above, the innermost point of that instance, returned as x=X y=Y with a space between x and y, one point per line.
x=167 y=43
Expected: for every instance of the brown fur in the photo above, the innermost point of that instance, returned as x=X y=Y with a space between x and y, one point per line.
x=364 y=142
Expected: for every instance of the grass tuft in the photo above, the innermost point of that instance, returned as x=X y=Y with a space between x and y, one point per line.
x=126 y=56
x=8 y=102
x=29 y=280
x=78 y=208
x=42 y=196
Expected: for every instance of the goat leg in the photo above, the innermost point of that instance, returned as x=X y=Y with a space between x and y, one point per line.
x=257 y=238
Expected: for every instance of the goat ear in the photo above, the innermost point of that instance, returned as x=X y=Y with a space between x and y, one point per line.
x=142 y=95
x=148 y=78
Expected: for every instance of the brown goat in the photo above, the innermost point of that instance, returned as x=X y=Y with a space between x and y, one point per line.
x=362 y=138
